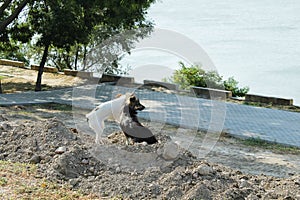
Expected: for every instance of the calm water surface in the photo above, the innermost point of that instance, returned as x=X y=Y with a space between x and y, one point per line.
x=257 y=42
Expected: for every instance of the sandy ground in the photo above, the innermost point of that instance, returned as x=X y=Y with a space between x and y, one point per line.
x=227 y=151
x=18 y=80
x=230 y=170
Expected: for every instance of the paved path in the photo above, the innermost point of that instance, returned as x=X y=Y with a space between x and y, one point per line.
x=195 y=113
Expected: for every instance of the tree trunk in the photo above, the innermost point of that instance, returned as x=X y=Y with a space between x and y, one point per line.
x=38 y=85
x=0 y=87
x=76 y=57
x=84 y=57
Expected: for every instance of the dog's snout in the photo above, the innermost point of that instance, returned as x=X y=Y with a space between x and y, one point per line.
x=139 y=107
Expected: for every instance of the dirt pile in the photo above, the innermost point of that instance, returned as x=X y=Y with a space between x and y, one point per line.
x=160 y=171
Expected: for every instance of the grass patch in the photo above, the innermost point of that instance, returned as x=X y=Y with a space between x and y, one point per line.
x=2 y=77
x=270 y=105
x=275 y=147
x=56 y=106
x=39 y=111
x=13 y=87
x=19 y=181
x=3 y=181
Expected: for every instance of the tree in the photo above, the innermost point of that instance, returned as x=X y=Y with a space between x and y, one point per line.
x=14 y=33
x=65 y=23
x=104 y=53
x=14 y=10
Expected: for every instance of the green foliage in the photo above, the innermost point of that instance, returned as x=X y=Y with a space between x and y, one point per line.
x=13 y=51
x=186 y=77
x=59 y=23
x=76 y=42
x=232 y=85
x=194 y=75
x=13 y=40
x=63 y=24
x=21 y=32
x=66 y=31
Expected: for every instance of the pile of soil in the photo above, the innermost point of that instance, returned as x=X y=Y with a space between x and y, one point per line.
x=136 y=171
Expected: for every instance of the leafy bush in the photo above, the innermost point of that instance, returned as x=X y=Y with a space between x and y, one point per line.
x=232 y=85
x=187 y=77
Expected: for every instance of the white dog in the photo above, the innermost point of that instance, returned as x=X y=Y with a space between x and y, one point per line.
x=110 y=109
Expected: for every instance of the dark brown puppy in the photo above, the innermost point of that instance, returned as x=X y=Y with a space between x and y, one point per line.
x=130 y=124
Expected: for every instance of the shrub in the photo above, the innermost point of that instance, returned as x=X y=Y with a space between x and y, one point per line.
x=232 y=85
x=187 y=77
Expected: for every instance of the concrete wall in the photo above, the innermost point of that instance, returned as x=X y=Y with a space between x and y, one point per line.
x=78 y=73
x=46 y=68
x=169 y=86
x=209 y=93
x=265 y=99
x=12 y=63
x=120 y=80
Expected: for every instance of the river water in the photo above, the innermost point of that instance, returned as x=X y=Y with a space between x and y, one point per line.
x=257 y=42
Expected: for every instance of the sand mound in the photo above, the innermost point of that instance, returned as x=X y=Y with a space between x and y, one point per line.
x=137 y=171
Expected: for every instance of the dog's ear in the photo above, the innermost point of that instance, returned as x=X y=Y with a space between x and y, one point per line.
x=132 y=98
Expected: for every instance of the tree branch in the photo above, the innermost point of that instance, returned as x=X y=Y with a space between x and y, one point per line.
x=13 y=16
x=4 y=6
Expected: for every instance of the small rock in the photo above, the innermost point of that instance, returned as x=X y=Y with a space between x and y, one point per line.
x=174 y=193
x=154 y=189
x=118 y=170
x=134 y=173
x=5 y=126
x=195 y=175
x=85 y=161
x=177 y=177
x=61 y=150
x=244 y=183
x=35 y=159
x=204 y=169
x=73 y=182
x=2 y=118
x=92 y=169
x=170 y=151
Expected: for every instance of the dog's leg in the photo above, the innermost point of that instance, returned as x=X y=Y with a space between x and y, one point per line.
x=129 y=141
x=99 y=132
